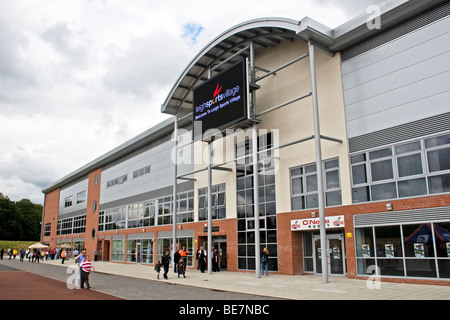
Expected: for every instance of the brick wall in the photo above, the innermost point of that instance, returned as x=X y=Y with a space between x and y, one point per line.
x=51 y=207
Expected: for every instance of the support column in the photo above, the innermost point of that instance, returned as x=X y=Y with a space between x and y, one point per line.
x=175 y=192
x=323 y=243
x=255 y=166
x=209 y=249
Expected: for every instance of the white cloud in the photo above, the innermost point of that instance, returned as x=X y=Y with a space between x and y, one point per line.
x=78 y=78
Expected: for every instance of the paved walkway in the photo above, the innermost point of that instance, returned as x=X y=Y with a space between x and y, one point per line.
x=303 y=287
x=21 y=285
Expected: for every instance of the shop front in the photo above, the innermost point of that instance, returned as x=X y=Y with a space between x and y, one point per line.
x=409 y=244
x=312 y=253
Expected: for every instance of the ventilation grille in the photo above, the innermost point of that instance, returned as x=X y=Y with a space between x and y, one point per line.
x=399 y=217
x=397 y=31
x=411 y=130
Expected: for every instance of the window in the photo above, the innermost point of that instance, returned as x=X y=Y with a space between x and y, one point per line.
x=112 y=219
x=47 y=229
x=245 y=204
x=68 y=202
x=71 y=225
x=81 y=197
x=304 y=193
x=166 y=244
x=140 y=214
x=408 y=250
x=402 y=170
x=185 y=212
x=165 y=211
x=117 y=250
x=218 y=204
x=140 y=250
x=141 y=172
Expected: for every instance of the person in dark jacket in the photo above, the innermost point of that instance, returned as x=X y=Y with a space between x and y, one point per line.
x=166 y=262
x=176 y=259
x=201 y=258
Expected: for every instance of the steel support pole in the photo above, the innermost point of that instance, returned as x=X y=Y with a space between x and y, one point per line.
x=323 y=243
x=255 y=167
x=209 y=249
x=175 y=182
x=256 y=201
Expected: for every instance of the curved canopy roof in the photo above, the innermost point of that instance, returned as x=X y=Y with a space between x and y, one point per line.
x=266 y=32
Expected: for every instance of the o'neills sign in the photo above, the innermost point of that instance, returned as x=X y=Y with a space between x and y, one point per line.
x=314 y=223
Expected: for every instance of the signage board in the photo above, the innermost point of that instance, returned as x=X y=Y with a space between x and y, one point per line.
x=314 y=223
x=221 y=101
x=214 y=229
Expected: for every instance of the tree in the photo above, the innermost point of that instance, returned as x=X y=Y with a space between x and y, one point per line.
x=19 y=220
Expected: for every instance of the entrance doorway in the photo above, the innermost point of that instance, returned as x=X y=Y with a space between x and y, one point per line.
x=335 y=254
x=105 y=251
x=138 y=252
x=220 y=242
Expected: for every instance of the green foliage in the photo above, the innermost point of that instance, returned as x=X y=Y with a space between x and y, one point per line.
x=20 y=220
x=15 y=244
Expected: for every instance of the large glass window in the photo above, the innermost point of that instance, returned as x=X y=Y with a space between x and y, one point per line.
x=402 y=170
x=166 y=244
x=140 y=250
x=245 y=204
x=408 y=250
x=218 y=204
x=304 y=185
x=165 y=211
x=185 y=212
x=117 y=250
x=71 y=225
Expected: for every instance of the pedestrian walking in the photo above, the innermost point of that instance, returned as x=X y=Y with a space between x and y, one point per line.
x=215 y=260
x=265 y=261
x=166 y=262
x=63 y=255
x=176 y=259
x=201 y=259
x=86 y=267
x=158 y=269
x=181 y=268
x=79 y=259
x=2 y=252
x=22 y=255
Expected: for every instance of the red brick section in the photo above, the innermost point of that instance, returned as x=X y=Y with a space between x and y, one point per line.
x=21 y=285
x=51 y=207
x=290 y=253
x=93 y=195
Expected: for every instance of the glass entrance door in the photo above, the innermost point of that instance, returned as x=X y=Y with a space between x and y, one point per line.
x=335 y=254
x=138 y=252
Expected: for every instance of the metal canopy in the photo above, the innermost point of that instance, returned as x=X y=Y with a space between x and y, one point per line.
x=225 y=50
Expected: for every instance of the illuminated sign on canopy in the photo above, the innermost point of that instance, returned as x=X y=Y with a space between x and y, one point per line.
x=221 y=101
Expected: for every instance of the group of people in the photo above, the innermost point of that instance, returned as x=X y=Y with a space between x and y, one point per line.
x=35 y=255
x=180 y=260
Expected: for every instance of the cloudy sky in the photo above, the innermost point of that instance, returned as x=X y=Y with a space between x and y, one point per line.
x=80 y=77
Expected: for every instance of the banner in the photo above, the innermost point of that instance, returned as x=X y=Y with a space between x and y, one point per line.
x=314 y=223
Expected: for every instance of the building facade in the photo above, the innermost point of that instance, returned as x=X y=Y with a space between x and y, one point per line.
x=383 y=100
